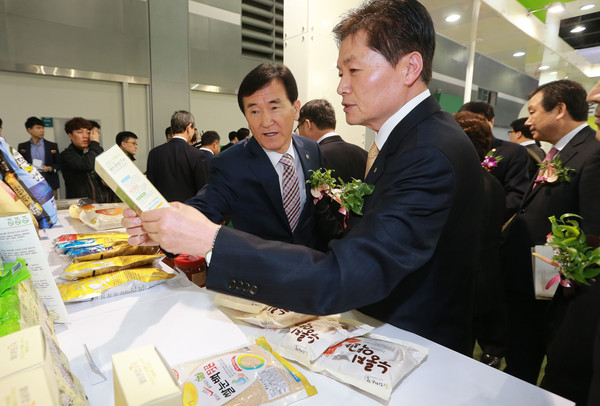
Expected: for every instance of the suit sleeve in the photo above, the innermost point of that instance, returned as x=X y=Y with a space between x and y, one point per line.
x=396 y=237
x=201 y=172
x=517 y=181
x=52 y=157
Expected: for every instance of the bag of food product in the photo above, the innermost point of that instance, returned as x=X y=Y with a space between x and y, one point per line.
x=249 y=376
x=80 y=270
x=111 y=251
x=112 y=284
x=115 y=235
x=99 y=216
x=373 y=363
x=274 y=317
x=239 y=303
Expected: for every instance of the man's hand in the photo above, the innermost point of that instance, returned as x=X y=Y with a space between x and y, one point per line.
x=95 y=135
x=177 y=229
x=47 y=168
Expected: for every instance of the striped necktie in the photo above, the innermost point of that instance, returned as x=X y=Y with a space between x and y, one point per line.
x=373 y=151
x=291 y=191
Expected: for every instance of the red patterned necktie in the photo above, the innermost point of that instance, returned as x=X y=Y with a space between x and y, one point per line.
x=291 y=191
x=549 y=157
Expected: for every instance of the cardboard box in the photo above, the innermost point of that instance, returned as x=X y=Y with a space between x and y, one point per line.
x=126 y=180
x=142 y=377
x=27 y=369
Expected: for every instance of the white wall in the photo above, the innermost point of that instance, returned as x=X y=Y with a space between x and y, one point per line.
x=217 y=112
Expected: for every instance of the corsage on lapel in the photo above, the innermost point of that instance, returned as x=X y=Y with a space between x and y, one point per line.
x=553 y=171
x=491 y=160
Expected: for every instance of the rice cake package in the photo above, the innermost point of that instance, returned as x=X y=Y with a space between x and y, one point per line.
x=249 y=376
x=274 y=317
x=112 y=284
x=239 y=303
x=102 y=216
x=119 y=249
x=373 y=363
x=80 y=270
x=306 y=342
x=115 y=235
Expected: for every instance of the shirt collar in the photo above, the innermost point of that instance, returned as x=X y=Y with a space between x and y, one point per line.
x=392 y=122
x=179 y=137
x=528 y=142
x=565 y=140
x=39 y=144
x=275 y=157
x=206 y=149
x=331 y=134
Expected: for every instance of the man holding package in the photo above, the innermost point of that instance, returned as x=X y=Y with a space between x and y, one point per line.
x=409 y=261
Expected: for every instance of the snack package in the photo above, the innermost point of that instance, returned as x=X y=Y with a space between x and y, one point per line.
x=112 y=284
x=373 y=363
x=119 y=249
x=101 y=216
x=251 y=375
x=13 y=273
x=274 y=317
x=80 y=270
x=29 y=185
x=66 y=247
x=306 y=342
x=238 y=303
x=115 y=235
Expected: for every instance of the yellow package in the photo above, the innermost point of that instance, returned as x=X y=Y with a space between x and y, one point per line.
x=80 y=270
x=249 y=376
x=274 y=317
x=239 y=303
x=113 y=235
x=112 y=284
x=117 y=250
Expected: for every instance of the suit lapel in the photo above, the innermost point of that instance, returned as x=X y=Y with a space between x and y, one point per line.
x=307 y=161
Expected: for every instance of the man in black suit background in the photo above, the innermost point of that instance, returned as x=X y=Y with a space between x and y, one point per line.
x=175 y=168
x=558 y=115
x=41 y=153
x=210 y=145
x=233 y=139
x=520 y=134
x=511 y=171
x=409 y=260
x=317 y=122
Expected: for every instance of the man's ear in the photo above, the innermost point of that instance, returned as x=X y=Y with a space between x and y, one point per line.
x=414 y=67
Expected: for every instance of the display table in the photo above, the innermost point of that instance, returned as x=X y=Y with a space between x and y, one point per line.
x=181 y=320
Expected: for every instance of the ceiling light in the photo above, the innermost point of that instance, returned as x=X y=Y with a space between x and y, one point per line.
x=544 y=67
x=553 y=73
x=556 y=8
x=577 y=29
x=453 y=18
x=587 y=7
x=519 y=53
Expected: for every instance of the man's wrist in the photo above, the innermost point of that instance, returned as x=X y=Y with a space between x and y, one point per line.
x=208 y=254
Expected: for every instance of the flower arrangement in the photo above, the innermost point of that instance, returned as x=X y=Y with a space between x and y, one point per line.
x=577 y=260
x=553 y=171
x=350 y=196
x=491 y=160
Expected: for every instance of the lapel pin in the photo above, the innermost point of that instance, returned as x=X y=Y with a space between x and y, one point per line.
x=307 y=156
x=375 y=170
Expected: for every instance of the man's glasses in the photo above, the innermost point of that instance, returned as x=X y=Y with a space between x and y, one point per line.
x=298 y=126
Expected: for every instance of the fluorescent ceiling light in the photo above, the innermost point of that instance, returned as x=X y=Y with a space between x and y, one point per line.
x=577 y=29
x=453 y=18
x=556 y=8
x=553 y=73
x=519 y=53
x=587 y=7
x=544 y=67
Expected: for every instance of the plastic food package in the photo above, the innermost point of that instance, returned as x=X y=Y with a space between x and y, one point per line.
x=307 y=341
x=373 y=363
x=62 y=247
x=239 y=303
x=112 y=284
x=80 y=270
x=29 y=185
x=115 y=235
x=251 y=375
x=274 y=317
x=116 y=250
x=100 y=216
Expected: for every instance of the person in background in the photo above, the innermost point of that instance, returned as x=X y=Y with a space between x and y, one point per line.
x=128 y=143
x=194 y=141
x=520 y=134
x=243 y=133
x=317 y=122
x=77 y=163
x=489 y=319
x=512 y=169
x=410 y=259
x=95 y=128
x=175 y=168
x=168 y=133
x=41 y=153
x=210 y=145
x=233 y=139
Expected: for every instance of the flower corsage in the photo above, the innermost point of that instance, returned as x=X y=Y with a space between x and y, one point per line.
x=554 y=171
x=350 y=196
x=491 y=160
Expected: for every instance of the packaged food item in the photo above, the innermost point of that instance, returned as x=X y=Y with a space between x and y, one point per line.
x=117 y=250
x=114 y=235
x=251 y=375
x=112 y=284
x=79 y=270
x=108 y=240
x=193 y=266
x=373 y=363
x=28 y=184
x=274 y=317
x=306 y=342
x=239 y=303
x=102 y=216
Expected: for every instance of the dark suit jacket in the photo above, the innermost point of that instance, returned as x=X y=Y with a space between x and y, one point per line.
x=409 y=261
x=177 y=170
x=51 y=159
x=208 y=156
x=532 y=164
x=347 y=160
x=244 y=187
x=512 y=173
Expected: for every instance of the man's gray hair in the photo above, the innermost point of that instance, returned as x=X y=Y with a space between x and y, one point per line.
x=180 y=120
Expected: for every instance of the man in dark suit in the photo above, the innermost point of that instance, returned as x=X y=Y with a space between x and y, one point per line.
x=520 y=134
x=511 y=171
x=210 y=145
x=246 y=183
x=317 y=122
x=232 y=140
x=41 y=153
x=558 y=115
x=175 y=168
x=409 y=260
